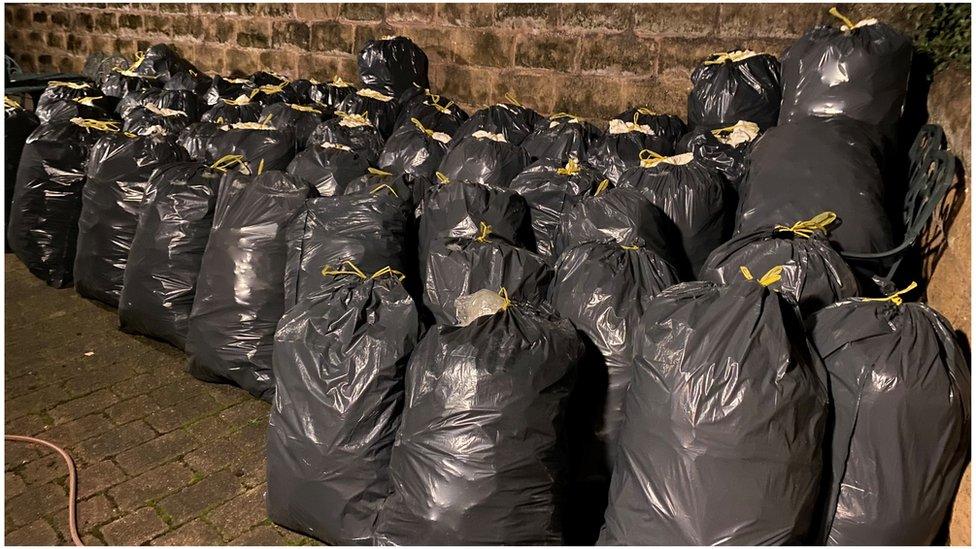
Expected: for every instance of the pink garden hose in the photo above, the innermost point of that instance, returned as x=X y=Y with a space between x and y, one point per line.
x=72 y=482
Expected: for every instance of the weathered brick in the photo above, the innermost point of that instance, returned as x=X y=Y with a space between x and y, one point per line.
x=290 y=33
x=60 y=18
x=98 y=477
x=241 y=61
x=269 y=9
x=466 y=14
x=254 y=34
x=537 y=16
x=22 y=15
x=159 y=24
x=618 y=53
x=613 y=17
x=135 y=528
x=219 y=30
x=185 y=25
x=370 y=31
x=151 y=486
x=437 y=42
x=130 y=21
x=332 y=36
x=681 y=55
x=288 y=64
x=777 y=20
x=356 y=11
x=195 y=532
x=413 y=12
x=197 y=498
x=547 y=51
x=660 y=94
x=678 y=20
x=240 y=514
x=472 y=84
x=316 y=11
x=487 y=48
x=77 y=44
x=40 y=17
x=600 y=97
x=115 y=440
x=38 y=532
x=324 y=67
x=174 y=7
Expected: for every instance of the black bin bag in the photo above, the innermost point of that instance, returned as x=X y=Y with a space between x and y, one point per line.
x=190 y=81
x=300 y=120
x=118 y=178
x=58 y=90
x=330 y=94
x=900 y=396
x=560 y=137
x=725 y=417
x=732 y=86
x=457 y=209
x=161 y=272
x=414 y=149
x=694 y=197
x=402 y=186
x=339 y=363
x=240 y=293
x=859 y=70
x=120 y=82
x=19 y=123
x=620 y=215
x=433 y=111
x=180 y=100
x=152 y=120
x=486 y=158
x=43 y=224
x=629 y=133
x=724 y=150
x=371 y=230
x=380 y=109
x=329 y=167
x=459 y=266
x=480 y=454
x=226 y=88
x=196 y=138
x=392 y=64
x=162 y=62
x=353 y=131
x=91 y=107
x=551 y=189
x=813 y=165
x=232 y=111
x=259 y=144
x=818 y=276
x=511 y=120
x=136 y=98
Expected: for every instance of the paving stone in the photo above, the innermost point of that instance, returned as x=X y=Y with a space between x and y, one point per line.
x=29 y=424
x=239 y=515
x=207 y=429
x=246 y=413
x=135 y=528
x=151 y=486
x=17 y=454
x=115 y=440
x=154 y=452
x=38 y=532
x=92 y=512
x=172 y=417
x=264 y=534
x=210 y=492
x=230 y=451
x=99 y=476
x=13 y=485
x=35 y=503
x=195 y=532
x=132 y=409
x=73 y=432
x=82 y=406
x=138 y=385
x=44 y=469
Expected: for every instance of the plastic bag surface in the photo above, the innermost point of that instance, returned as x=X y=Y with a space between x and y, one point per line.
x=414 y=149
x=560 y=137
x=240 y=293
x=257 y=143
x=19 y=123
x=732 y=86
x=484 y=158
x=353 y=131
x=300 y=120
x=379 y=108
x=511 y=120
x=392 y=64
x=900 y=394
x=328 y=167
x=161 y=271
x=117 y=180
x=340 y=363
x=479 y=455
x=629 y=133
x=734 y=456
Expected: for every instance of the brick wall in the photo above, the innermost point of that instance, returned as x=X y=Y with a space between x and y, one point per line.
x=590 y=59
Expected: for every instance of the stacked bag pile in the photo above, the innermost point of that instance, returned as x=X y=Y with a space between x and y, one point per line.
x=510 y=328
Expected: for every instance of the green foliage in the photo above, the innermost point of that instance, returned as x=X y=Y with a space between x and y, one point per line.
x=948 y=36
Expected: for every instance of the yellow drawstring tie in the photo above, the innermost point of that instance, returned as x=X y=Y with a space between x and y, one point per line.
x=571 y=168
x=87 y=101
x=630 y=248
x=351 y=269
x=100 y=125
x=261 y=167
x=373 y=94
x=72 y=85
x=644 y=111
x=773 y=275
x=377 y=189
x=339 y=82
x=303 y=108
x=225 y=162
x=140 y=57
x=649 y=158
x=358 y=119
x=379 y=172
x=421 y=127
x=268 y=89
x=601 y=186
x=895 y=297
x=718 y=58
x=446 y=109
x=10 y=103
x=805 y=229
x=836 y=13
x=504 y=294
x=510 y=96
x=241 y=100
x=485 y=232
x=388 y=271
x=442 y=178
x=558 y=115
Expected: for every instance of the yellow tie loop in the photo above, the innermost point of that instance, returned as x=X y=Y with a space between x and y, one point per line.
x=339 y=82
x=303 y=108
x=382 y=186
x=571 y=168
x=421 y=127
x=261 y=167
x=10 y=103
x=345 y=268
x=88 y=101
x=140 y=57
x=100 y=125
x=649 y=158
x=241 y=100
x=558 y=115
x=510 y=96
x=388 y=271
x=504 y=293
x=381 y=173
x=836 y=13
x=225 y=162
x=442 y=178
x=644 y=111
x=630 y=248
x=895 y=297
x=805 y=229
x=72 y=85
x=268 y=89
x=485 y=232
x=772 y=276
x=373 y=94
x=357 y=119
x=446 y=109
x=718 y=58
x=601 y=186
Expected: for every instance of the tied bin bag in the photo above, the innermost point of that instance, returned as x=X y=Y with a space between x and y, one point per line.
x=19 y=123
x=393 y=64
x=43 y=225
x=381 y=110
x=480 y=456
x=725 y=416
x=353 y=131
x=629 y=133
x=484 y=157
x=329 y=167
x=414 y=149
x=241 y=286
x=900 y=396
x=732 y=86
x=511 y=120
x=560 y=137
x=161 y=272
x=340 y=362
x=118 y=178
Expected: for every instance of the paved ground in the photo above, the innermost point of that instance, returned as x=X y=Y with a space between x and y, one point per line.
x=163 y=459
